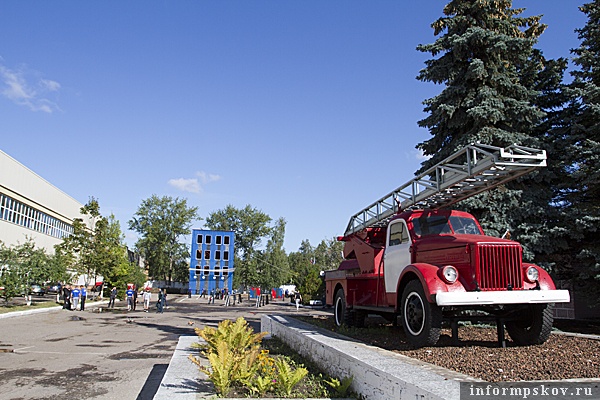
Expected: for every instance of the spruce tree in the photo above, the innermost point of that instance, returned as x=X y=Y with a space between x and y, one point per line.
x=497 y=86
x=578 y=196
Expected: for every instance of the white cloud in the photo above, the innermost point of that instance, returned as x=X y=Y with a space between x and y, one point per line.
x=207 y=178
x=420 y=156
x=194 y=185
x=186 y=185
x=15 y=86
x=52 y=86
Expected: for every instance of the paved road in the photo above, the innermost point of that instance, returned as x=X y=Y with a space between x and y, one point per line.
x=105 y=355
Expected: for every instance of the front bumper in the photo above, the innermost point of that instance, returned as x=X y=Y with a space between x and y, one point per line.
x=502 y=297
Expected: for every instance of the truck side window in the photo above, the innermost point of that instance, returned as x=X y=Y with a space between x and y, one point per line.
x=398 y=234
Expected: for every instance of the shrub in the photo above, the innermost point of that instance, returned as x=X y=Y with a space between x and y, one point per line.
x=235 y=357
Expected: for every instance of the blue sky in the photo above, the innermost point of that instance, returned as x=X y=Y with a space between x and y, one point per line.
x=306 y=110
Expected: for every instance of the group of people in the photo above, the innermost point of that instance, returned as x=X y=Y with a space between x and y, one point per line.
x=131 y=295
x=74 y=297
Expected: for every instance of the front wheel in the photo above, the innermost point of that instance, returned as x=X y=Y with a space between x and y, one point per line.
x=422 y=321
x=533 y=325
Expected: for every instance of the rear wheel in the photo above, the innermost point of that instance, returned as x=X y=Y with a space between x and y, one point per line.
x=422 y=321
x=339 y=308
x=533 y=325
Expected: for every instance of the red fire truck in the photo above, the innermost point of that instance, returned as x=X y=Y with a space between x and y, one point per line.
x=409 y=255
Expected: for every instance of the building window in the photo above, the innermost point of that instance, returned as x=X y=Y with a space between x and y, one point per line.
x=198 y=255
x=226 y=240
x=208 y=239
x=226 y=255
x=207 y=254
x=217 y=255
x=24 y=215
x=218 y=240
x=199 y=239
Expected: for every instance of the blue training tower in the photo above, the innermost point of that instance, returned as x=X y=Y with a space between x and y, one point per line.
x=211 y=264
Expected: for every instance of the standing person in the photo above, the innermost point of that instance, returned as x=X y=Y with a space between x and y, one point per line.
x=164 y=299
x=66 y=297
x=135 y=295
x=129 y=293
x=83 y=291
x=147 y=298
x=75 y=297
x=159 y=303
x=298 y=299
x=113 y=296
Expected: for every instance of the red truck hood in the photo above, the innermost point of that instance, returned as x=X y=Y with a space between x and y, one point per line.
x=441 y=242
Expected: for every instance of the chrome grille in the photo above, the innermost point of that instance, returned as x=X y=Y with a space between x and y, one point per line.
x=498 y=266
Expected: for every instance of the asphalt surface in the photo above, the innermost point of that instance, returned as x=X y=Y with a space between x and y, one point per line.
x=112 y=354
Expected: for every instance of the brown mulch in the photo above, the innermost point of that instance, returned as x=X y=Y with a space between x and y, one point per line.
x=478 y=353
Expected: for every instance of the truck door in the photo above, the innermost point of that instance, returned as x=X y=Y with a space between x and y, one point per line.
x=397 y=253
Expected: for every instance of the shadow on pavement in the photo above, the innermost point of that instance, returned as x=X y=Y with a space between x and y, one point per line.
x=153 y=382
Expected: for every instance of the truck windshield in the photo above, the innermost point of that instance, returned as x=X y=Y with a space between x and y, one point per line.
x=431 y=225
x=465 y=225
x=440 y=225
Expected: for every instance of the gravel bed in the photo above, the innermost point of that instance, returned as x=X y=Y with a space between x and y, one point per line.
x=478 y=353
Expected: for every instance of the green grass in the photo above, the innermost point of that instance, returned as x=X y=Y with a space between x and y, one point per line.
x=4 y=308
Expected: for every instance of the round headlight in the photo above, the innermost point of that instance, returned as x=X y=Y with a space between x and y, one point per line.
x=532 y=274
x=450 y=274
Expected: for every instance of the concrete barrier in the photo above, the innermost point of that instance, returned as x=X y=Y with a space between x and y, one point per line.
x=377 y=374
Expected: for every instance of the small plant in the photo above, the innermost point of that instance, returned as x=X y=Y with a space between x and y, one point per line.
x=232 y=350
x=261 y=385
x=236 y=360
x=288 y=378
x=340 y=388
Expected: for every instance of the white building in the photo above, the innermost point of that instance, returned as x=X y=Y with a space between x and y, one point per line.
x=31 y=207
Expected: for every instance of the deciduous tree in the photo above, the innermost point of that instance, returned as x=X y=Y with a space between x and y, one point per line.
x=161 y=222
x=251 y=227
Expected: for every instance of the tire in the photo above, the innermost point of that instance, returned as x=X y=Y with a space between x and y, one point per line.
x=533 y=325
x=356 y=318
x=422 y=321
x=339 y=308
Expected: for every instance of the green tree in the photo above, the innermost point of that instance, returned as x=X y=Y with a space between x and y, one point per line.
x=305 y=274
x=99 y=251
x=579 y=139
x=24 y=265
x=308 y=263
x=273 y=266
x=12 y=279
x=251 y=227
x=328 y=254
x=77 y=250
x=480 y=55
x=497 y=86
x=161 y=222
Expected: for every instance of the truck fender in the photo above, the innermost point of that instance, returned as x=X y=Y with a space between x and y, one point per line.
x=430 y=277
x=544 y=279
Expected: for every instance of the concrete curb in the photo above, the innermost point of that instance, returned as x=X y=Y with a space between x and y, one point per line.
x=377 y=374
x=46 y=309
x=183 y=380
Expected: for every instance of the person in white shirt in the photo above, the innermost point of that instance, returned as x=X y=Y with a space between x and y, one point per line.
x=147 y=298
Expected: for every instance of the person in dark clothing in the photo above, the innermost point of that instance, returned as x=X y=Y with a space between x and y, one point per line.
x=67 y=297
x=83 y=292
x=160 y=302
x=135 y=295
x=113 y=296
